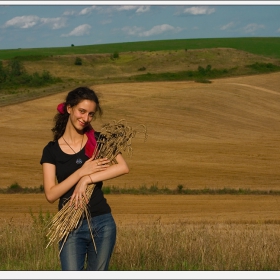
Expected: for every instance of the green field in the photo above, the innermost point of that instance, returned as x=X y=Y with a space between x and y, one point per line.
x=267 y=46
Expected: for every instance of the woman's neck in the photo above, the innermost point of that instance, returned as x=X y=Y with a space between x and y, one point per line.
x=72 y=135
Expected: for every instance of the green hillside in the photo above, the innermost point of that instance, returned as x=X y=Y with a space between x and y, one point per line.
x=267 y=46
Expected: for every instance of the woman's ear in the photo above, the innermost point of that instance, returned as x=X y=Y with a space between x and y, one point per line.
x=68 y=109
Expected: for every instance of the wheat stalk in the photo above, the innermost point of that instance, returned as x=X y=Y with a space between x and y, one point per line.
x=114 y=138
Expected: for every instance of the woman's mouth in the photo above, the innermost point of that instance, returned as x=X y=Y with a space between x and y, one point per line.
x=82 y=123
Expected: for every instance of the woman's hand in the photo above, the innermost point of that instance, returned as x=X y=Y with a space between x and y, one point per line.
x=93 y=166
x=79 y=193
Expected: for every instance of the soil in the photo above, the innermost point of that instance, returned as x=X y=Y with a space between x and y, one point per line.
x=223 y=134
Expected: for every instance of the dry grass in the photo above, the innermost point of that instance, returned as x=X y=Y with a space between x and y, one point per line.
x=157 y=232
x=155 y=246
x=131 y=210
x=98 y=67
x=223 y=134
x=216 y=247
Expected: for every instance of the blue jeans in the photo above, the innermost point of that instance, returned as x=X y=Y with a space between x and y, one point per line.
x=79 y=250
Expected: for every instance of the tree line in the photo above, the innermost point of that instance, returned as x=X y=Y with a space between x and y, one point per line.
x=13 y=74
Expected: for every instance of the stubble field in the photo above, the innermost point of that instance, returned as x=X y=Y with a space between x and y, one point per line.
x=219 y=135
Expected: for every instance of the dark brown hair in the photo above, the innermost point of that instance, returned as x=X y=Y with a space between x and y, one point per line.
x=73 y=98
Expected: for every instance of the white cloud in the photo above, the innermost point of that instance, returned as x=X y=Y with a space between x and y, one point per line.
x=199 y=10
x=252 y=27
x=79 y=31
x=138 y=9
x=227 y=26
x=125 y=8
x=158 y=29
x=22 y=22
x=88 y=10
x=55 y=23
x=122 y=8
x=143 y=9
x=69 y=13
x=134 y=30
x=105 y=21
x=30 y=21
x=278 y=30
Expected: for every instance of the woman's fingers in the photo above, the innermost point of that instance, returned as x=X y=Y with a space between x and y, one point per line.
x=78 y=200
x=102 y=162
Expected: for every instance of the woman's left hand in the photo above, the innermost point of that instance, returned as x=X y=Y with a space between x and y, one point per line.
x=79 y=195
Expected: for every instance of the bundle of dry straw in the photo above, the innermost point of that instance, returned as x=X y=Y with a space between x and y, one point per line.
x=114 y=138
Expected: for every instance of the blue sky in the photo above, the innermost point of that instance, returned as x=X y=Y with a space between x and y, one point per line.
x=58 y=24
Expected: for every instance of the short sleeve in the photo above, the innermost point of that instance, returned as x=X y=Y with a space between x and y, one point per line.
x=48 y=155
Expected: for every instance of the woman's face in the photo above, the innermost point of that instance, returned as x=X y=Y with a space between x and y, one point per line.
x=82 y=114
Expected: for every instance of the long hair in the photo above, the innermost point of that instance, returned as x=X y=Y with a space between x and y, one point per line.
x=73 y=98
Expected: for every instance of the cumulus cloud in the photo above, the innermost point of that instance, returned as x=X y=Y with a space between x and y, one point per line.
x=278 y=30
x=88 y=10
x=138 y=9
x=22 y=22
x=199 y=10
x=69 y=13
x=143 y=9
x=133 y=31
x=105 y=21
x=79 y=31
x=252 y=27
x=55 y=23
x=30 y=21
x=123 y=8
x=227 y=26
x=156 y=30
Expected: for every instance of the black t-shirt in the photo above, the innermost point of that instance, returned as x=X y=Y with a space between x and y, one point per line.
x=65 y=166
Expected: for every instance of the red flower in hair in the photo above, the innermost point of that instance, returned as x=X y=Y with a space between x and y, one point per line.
x=61 y=108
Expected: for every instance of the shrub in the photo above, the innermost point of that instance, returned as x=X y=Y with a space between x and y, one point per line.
x=142 y=68
x=115 y=55
x=180 y=188
x=264 y=67
x=14 y=75
x=106 y=190
x=15 y=68
x=14 y=188
x=78 y=61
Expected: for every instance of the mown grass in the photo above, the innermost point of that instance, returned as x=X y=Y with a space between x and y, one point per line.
x=154 y=246
x=267 y=46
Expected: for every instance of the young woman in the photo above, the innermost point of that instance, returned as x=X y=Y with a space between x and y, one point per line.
x=68 y=167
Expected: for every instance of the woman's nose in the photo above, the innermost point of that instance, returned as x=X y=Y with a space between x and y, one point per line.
x=86 y=118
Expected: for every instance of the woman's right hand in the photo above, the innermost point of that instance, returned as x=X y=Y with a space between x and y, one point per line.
x=94 y=165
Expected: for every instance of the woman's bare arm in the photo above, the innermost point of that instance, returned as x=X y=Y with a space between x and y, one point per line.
x=53 y=191
x=111 y=172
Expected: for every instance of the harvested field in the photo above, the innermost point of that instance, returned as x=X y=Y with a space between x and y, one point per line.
x=223 y=134
x=165 y=209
